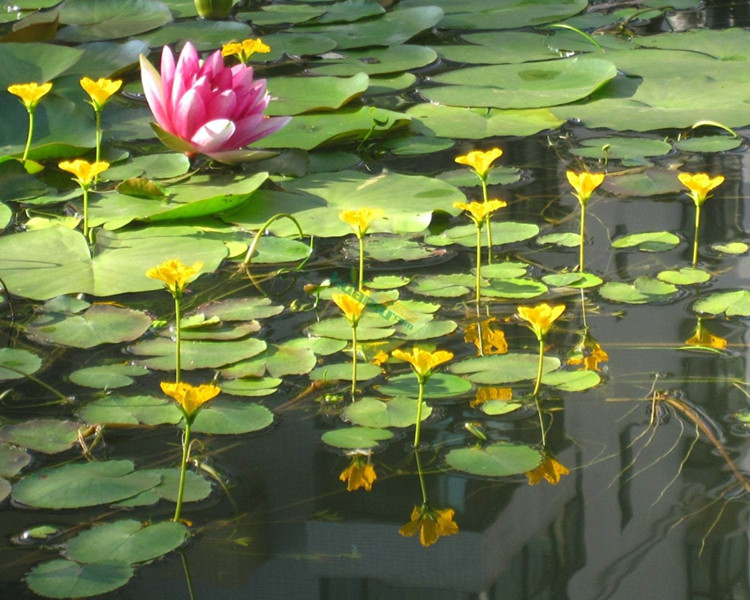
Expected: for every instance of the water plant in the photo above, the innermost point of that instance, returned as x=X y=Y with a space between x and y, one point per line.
x=175 y=275
x=85 y=174
x=550 y=469
x=359 y=220
x=422 y=362
x=360 y=473
x=190 y=400
x=205 y=107
x=479 y=213
x=245 y=49
x=352 y=307
x=30 y=95
x=699 y=186
x=100 y=91
x=583 y=185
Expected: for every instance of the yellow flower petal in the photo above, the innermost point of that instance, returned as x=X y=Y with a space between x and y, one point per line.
x=351 y=307
x=549 y=469
x=245 y=49
x=584 y=184
x=84 y=171
x=541 y=317
x=360 y=219
x=174 y=274
x=100 y=90
x=358 y=474
x=191 y=398
x=699 y=185
x=422 y=361
x=479 y=160
x=431 y=524
x=480 y=210
x=30 y=93
x=492 y=393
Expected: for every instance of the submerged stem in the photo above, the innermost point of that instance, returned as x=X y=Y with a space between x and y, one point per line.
x=183 y=470
x=421 y=479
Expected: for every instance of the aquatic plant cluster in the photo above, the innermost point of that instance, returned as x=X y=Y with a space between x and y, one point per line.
x=286 y=173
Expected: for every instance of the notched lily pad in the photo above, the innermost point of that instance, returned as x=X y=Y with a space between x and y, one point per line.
x=439 y=385
x=396 y=412
x=49 y=436
x=731 y=248
x=567 y=239
x=650 y=241
x=354 y=438
x=62 y=578
x=16 y=364
x=230 y=417
x=107 y=376
x=572 y=280
x=503 y=368
x=496 y=460
x=131 y=410
x=572 y=381
x=684 y=276
x=343 y=371
x=734 y=303
x=642 y=291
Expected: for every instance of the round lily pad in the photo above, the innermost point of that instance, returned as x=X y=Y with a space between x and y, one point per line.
x=108 y=376
x=642 y=291
x=400 y=411
x=158 y=353
x=343 y=371
x=708 y=143
x=499 y=175
x=232 y=417
x=16 y=364
x=573 y=280
x=439 y=385
x=131 y=410
x=518 y=288
x=731 y=248
x=503 y=232
x=621 y=147
x=684 y=276
x=197 y=488
x=504 y=270
x=250 y=387
x=650 y=241
x=68 y=579
x=503 y=368
x=734 y=303
x=377 y=61
x=498 y=407
x=49 y=436
x=567 y=239
x=572 y=381
x=12 y=460
x=354 y=438
x=495 y=460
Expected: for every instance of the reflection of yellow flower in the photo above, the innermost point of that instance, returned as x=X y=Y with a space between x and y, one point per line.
x=423 y=362
x=431 y=524
x=360 y=219
x=30 y=93
x=584 y=184
x=84 y=171
x=704 y=338
x=245 y=49
x=491 y=341
x=190 y=397
x=174 y=274
x=479 y=211
x=379 y=358
x=100 y=90
x=359 y=474
x=541 y=317
x=492 y=393
x=350 y=306
x=588 y=352
x=549 y=469
x=480 y=161
x=699 y=185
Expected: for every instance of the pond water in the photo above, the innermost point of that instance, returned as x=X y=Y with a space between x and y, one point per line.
x=649 y=421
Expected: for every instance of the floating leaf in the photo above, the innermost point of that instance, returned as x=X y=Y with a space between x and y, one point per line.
x=649 y=241
x=354 y=438
x=232 y=417
x=643 y=290
x=731 y=247
x=204 y=35
x=499 y=407
x=384 y=248
x=240 y=309
x=499 y=175
x=250 y=388
x=131 y=410
x=651 y=182
x=443 y=286
x=150 y=166
x=68 y=579
x=685 y=276
x=12 y=460
x=572 y=381
x=90 y=20
x=518 y=288
x=735 y=303
x=196 y=354
x=371 y=327
x=16 y=364
x=197 y=488
x=343 y=371
x=499 y=48
x=107 y=376
x=416 y=330
x=503 y=368
x=377 y=61
x=326 y=93
x=396 y=412
x=708 y=143
x=49 y=436
x=496 y=460
x=503 y=232
x=621 y=147
x=573 y=280
x=567 y=239
x=417 y=145
x=439 y=385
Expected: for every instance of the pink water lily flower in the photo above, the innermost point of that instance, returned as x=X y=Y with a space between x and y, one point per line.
x=205 y=107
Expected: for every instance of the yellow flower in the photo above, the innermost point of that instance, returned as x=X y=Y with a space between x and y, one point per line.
x=491 y=341
x=699 y=185
x=541 y=317
x=351 y=307
x=359 y=474
x=379 y=358
x=100 y=90
x=549 y=469
x=480 y=161
x=423 y=362
x=705 y=339
x=190 y=397
x=492 y=393
x=245 y=49
x=588 y=352
x=584 y=184
x=84 y=171
x=360 y=219
x=174 y=274
x=431 y=523
x=479 y=211
x=30 y=93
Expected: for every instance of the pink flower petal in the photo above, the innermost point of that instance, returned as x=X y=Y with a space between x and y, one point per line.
x=190 y=114
x=221 y=106
x=213 y=136
x=256 y=127
x=154 y=91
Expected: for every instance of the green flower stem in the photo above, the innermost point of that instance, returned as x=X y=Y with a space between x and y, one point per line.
x=541 y=422
x=354 y=361
x=361 y=239
x=697 y=230
x=178 y=333
x=98 y=113
x=28 y=138
x=583 y=233
x=421 y=479
x=183 y=469
x=85 y=212
x=489 y=229
x=539 y=368
x=479 y=261
x=417 y=431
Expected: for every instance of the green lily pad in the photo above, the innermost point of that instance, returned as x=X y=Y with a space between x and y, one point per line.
x=641 y=291
x=294 y=357
x=354 y=438
x=197 y=488
x=503 y=232
x=204 y=35
x=477 y=123
x=371 y=327
x=385 y=248
x=572 y=381
x=524 y=85
x=731 y=248
x=708 y=143
x=12 y=460
x=685 y=276
x=250 y=388
x=499 y=48
x=35 y=62
x=48 y=436
x=321 y=93
x=65 y=304
x=276 y=14
x=104 y=59
x=733 y=303
x=16 y=364
x=295 y=43
x=496 y=460
x=90 y=20
x=499 y=175
x=520 y=287
x=396 y=412
x=350 y=10
x=68 y=579
x=387 y=282
x=417 y=330
x=125 y=542
x=131 y=410
x=390 y=84
x=107 y=376
x=566 y=239
x=621 y=147
x=150 y=166
x=503 y=368
x=100 y=324
x=240 y=309
x=377 y=61
x=651 y=182
x=196 y=354
x=443 y=286
x=80 y=485
x=504 y=270
x=417 y=145
x=232 y=417
x=649 y=241
x=439 y=385
x=5 y=489
x=343 y=372
x=499 y=407
x=6 y=214
x=573 y=280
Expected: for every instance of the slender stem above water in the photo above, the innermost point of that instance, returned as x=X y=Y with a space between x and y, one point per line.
x=354 y=361
x=28 y=137
x=583 y=233
x=361 y=239
x=418 y=429
x=178 y=339
x=479 y=263
x=421 y=479
x=539 y=368
x=183 y=470
x=489 y=228
x=98 y=114
x=86 y=213
x=541 y=421
x=697 y=231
